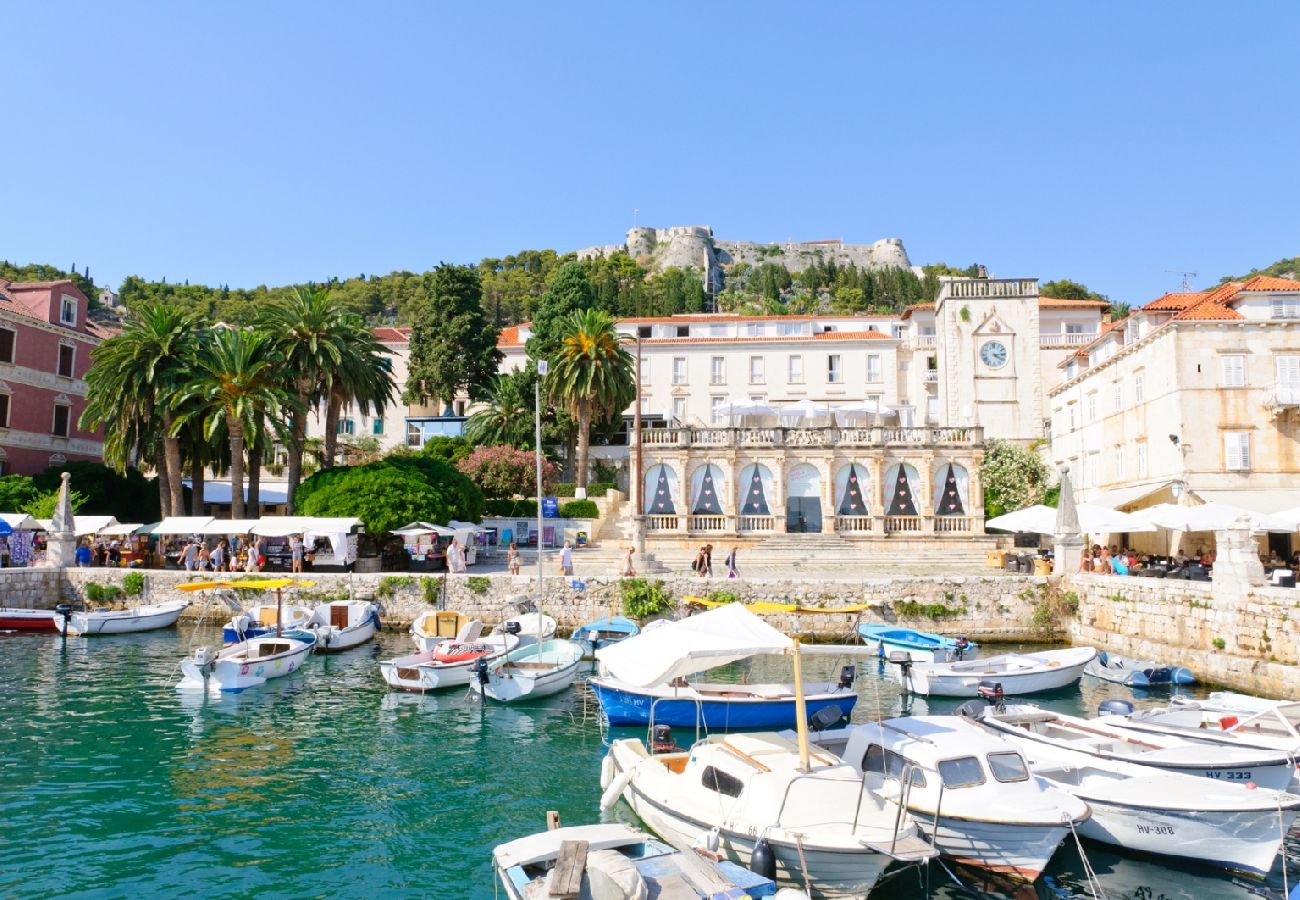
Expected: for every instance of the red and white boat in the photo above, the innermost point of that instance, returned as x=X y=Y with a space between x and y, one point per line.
x=449 y=664
x=27 y=619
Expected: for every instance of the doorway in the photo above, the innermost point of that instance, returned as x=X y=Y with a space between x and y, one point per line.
x=803 y=504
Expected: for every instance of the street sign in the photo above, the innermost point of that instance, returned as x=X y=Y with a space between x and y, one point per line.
x=550 y=507
x=542 y=366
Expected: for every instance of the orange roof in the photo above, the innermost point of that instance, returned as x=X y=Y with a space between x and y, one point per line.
x=509 y=337
x=388 y=335
x=1208 y=312
x=1065 y=302
x=916 y=307
x=1267 y=283
x=1175 y=301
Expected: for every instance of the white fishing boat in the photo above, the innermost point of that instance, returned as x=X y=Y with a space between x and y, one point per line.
x=1224 y=824
x=1069 y=740
x=435 y=626
x=967 y=788
x=243 y=665
x=536 y=670
x=262 y=619
x=343 y=624
x=149 y=617
x=449 y=664
x=614 y=861
x=1017 y=673
x=1226 y=703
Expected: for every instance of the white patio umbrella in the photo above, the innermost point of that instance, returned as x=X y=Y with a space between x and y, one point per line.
x=1093 y=519
x=804 y=409
x=1211 y=517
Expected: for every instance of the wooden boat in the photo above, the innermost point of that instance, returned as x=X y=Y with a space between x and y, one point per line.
x=1137 y=672
x=603 y=632
x=922 y=646
x=243 y=665
x=261 y=621
x=1069 y=740
x=1274 y=728
x=536 y=670
x=1017 y=673
x=449 y=664
x=969 y=790
x=751 y=797
x=626 y=864
x=718 y=705
x=122 y=621
x=343 y=624
x=27 y=619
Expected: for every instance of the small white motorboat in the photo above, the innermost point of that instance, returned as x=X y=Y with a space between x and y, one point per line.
x=970 y=790
x=614 y=861
x=122 y=621
x=435 y=626
x=449 y=664
x=243 y=665
x=535 y=670
x=343 y=624
x=1068 y=740
x=262 y=619
x=12 y=619
x=1017 y=673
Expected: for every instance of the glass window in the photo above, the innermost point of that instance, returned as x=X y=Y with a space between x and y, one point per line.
x=1008 y=767
x=873 y=368
x=1285 y=307
x=66 y=354
x=643 y=331
x=886 y=762
x=68 y=312
x=377 y=426
x=1092 y=407
x=754 y=329
x=679 y=370
x=4 y=410
x=715 y=409
x=1142 y=460
x=645 y=370
x=345 y=426
x=964 y=771
x=7 y=345
x=679 y=408
x=718 y=370
x=62 y=416
x=1234 y=371
x=756 y=375
x=1074 y=329
x=717 y=780
x=796 y=370
x=1236 y=450
x=792 y=329
x=834 y=369
x=683 y=331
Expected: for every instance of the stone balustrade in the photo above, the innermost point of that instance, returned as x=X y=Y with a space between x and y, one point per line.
x=826 y=436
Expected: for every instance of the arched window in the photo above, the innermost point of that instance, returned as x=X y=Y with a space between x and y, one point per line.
x=756 y=490
x=707 y=485
x=851 y=490
x=951 y=489
x=660 y=489
x=900 y=490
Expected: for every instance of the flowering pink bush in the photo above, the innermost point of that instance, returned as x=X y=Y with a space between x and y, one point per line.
x=506 y=472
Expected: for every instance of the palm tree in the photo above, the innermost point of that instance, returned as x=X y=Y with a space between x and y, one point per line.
x=237 y=383
x=131 y=391
x=591 y=376
x=363 y=376
x=506 y=416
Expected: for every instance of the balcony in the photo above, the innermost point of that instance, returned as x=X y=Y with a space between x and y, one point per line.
x=832 y=436
x=927 y=340
x=989 y=287
x=1285 y=395
x=1066 y=339
x=932 y=377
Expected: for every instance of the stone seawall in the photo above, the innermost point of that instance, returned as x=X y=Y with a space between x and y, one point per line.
x=1245 y=643
x=987 y=608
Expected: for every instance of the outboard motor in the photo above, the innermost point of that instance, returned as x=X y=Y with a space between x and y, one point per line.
x=1115 y=708
x=962 y=645
x=661 y=739
x=903 y=660
x=513 y=627
x=205 y=658
x=64 y=610
x=971 y=709
x=825 y=717
x=847 y=675
x=481 y=669
x=762 y=861
x=991 y=693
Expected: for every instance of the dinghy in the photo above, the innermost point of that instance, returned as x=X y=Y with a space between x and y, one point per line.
x=1069 y=740
x=1272 y=729
x=450 y=663
x=616 y=862
x=121 y=621
x=968 y=789
x=922 y=646
x=261 y=620
x=1017 y=673
x=343 y=624
x=434 y=626
x=537 y=670
x=629 y=693
x=243 y=665
x=1137 y=672
x=27 y=619
x=603 y=632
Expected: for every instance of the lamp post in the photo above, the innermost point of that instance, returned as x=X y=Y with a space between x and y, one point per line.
x=638 y=517
x=537 y=437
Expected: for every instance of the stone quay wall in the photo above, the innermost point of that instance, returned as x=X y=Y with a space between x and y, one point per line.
x=999 y=608
x=1248 y=642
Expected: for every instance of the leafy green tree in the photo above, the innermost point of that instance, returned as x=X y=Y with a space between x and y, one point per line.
x=506 y=414
x=1065 y=289
x=448 y=449
x=592 y=376
x=126 y=495
x=505 y=471
x=392 y=492
x=453 y=344
x=16 y=491
x=1013 y=476
x=848 y=300
x=43 y=505
x=569 y=292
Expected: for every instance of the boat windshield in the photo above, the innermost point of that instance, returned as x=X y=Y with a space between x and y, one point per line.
x=965 y=771
x=880 y=761
x=1007 y=767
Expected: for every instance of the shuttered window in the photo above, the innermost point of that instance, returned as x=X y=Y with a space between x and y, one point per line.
x=1288 y=369
x=1236 y=450
x=1285 y=307
x=1234 y=371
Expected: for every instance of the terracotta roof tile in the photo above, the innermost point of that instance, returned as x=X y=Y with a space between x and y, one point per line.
x=389 y=335
x=1175 y=301
x=1267 y=283
x=1208 y=312
x=1065 y=302
x=509 y=337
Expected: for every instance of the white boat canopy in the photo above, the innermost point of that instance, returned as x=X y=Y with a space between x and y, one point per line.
x=723 y=635
x=1093 y=519
x=20 y=521
x=181 y=525
x=83 y=525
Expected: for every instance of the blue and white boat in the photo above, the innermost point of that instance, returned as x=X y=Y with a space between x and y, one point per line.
x=260 y=621
x=1137 y=672
x=922 y=646
x=603 y=632
x=643 y=680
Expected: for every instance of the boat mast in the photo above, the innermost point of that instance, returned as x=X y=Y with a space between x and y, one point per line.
x=800 y=708
x=278 y=614
x=537 y=454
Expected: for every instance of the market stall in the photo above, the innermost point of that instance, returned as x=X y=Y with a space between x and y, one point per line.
x=20 y=540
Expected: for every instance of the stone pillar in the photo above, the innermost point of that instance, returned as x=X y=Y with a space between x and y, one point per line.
x=61 y=543
x=1068 y=541
x=1236 y=563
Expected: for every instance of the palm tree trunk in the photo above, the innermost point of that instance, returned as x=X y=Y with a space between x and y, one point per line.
x=333 y=407
x=164 y=483
x=236 y=430
x=297 y=442
x=196 y=486
x=584 y=442
x=255 y=480
x=172 y=447
x=570 y=441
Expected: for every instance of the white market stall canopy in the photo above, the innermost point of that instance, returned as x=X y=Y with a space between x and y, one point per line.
x=226 y=527
x=83 y=525
x=1093 y=519
x=466 y=526
x=181 y=525
x=268 y=526
x=715 y=638
x=422 y=529
x=121 y=530
x=20 y=521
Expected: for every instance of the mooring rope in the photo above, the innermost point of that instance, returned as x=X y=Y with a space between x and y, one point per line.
x=1093 y=884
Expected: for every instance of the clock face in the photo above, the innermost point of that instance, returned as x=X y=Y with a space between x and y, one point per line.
x=994 y=354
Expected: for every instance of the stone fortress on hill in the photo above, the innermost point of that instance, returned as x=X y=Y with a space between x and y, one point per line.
x=695 y=247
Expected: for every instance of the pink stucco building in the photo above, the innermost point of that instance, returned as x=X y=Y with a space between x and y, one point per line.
x=45 y=343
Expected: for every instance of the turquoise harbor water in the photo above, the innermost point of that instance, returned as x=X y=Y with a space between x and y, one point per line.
x=113 y=784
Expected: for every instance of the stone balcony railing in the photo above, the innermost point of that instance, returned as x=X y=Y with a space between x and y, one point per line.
x=848 y=526
x=833 y=436
x=1066 y=339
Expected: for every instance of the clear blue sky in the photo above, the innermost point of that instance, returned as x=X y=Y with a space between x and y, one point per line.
x=248 y=143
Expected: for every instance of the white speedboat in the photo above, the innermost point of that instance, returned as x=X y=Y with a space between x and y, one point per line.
x=1017 y=673
x=614 y=861
x=122 y=621
x=749 y=797
x=967 y=788
x=343 y=624
x=243 y=665
x=1069 y=740
x=449 y=664
x=535 y=670
x=1221 y=824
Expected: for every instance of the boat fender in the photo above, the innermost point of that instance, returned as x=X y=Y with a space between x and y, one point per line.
x=971 y=709
x=1115 y=707
x=615 y=790
x=606 y=771
x=1251 y=786
x=762 y=861
x=1227 y=722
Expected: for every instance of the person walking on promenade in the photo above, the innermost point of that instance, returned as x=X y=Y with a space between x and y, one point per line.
x=205 y=557
x=628 y=569
x=698 y=565
x=190 y=555
x=566 y=559
x=708 y=561
x=218 y=557
x=731 y=564
x=295 y=548
x=512 y=559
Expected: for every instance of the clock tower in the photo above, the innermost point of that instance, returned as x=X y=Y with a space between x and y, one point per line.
x=987 y=337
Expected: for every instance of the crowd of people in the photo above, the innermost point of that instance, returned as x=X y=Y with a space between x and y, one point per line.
x=1116 y=560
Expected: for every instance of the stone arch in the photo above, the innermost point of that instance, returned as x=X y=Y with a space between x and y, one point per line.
x=852 y=496
x=805 y=496
x=950 y=493
x=662 y=490
x=755 y=476
x=901 y=481
x=709 y=490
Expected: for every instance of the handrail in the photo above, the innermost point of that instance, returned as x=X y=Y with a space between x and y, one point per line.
x=745 y=756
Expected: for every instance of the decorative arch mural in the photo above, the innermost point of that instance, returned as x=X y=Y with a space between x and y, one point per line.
x=851 y=490
x=756 y=489
x=901 y=481
x=951 y=489
x=707 y=485
x=660 y=489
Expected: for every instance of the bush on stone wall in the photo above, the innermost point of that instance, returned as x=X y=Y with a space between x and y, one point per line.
x=133 y=584
x=510 y=509
x=579 y=509
x=643 y=598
